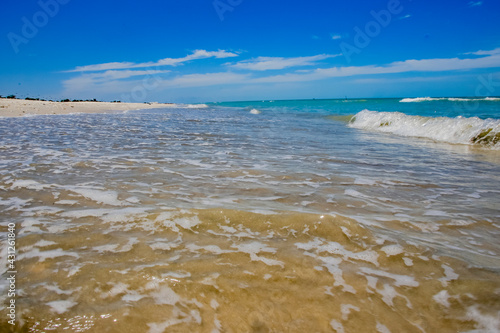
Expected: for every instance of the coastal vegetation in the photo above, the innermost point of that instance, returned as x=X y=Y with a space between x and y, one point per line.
x=66 y=100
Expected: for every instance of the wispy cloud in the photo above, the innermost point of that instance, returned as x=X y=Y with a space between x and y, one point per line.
x=475 y=3
x=485 y=53
x=270 y=63
x=197 y=54
x=208 y=79
x=490 y=60
x=411 y=79
x=336 y=36
x=116 y=81
x=113 y=81
x=121 y=74
x=405 y=17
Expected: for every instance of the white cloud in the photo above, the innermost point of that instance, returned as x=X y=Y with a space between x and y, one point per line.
x=209 y=79
x=197 y=54
x=107 y=77
x=483 y=53
x=116 y=81
x=411 y=79
x=102 y=67
x=270 y=63
x=112 y=82
x=491 y=60
x=125 y=74
x=336 y=36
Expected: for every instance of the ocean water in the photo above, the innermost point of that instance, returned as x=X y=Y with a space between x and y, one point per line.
x=377 y=215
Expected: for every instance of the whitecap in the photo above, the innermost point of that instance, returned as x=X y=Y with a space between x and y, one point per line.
x=195 y=106
x=419 y=99
x=458 y=130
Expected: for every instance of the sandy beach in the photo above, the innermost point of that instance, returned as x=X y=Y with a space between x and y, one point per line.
x=20 y=107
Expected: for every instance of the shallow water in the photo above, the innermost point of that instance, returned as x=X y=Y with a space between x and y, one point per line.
x=223 y=219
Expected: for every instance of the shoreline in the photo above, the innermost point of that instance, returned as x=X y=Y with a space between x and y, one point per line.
x=21 y=107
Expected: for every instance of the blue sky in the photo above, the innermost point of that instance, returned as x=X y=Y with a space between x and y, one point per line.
x=227 y=50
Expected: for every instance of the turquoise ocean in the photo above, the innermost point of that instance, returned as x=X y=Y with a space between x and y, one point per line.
x=342 y=215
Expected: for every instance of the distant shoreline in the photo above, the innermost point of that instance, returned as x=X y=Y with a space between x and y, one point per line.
x=10 y=107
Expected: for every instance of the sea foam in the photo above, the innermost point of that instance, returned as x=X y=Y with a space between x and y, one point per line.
x=458 y=130
x=420 y=99
x=196 y=106
x=451 y=99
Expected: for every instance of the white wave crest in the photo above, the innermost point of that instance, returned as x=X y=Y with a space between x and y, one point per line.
x=255 y=111
x=451 y=99
x=452 y=130
x=420 y=99
x=196 y=106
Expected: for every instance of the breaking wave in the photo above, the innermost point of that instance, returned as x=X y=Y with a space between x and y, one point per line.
x=196 y=106
x=460 y=130
x=451 y=99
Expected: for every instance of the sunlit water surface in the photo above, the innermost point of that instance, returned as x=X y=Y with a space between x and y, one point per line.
x=221 y=219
